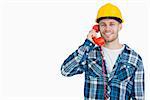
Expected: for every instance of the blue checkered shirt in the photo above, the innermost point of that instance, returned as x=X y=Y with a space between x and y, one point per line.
x=125 y=82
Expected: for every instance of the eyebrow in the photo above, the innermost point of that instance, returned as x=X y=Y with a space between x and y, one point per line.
x=101 y=22
x=104 y=22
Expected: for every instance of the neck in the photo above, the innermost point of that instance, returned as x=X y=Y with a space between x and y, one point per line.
x=113 y=44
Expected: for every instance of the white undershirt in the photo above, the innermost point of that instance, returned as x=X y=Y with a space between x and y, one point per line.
x=111 y=56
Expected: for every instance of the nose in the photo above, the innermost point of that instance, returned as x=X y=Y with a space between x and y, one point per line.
x=107 y=28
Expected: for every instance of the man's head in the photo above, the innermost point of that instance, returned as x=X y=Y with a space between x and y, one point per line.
x=109 y=29
x=110 y=21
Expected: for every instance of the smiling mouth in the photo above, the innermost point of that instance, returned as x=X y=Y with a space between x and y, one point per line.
x=107 y=34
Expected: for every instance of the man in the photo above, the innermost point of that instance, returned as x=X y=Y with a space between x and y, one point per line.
x=113 y=71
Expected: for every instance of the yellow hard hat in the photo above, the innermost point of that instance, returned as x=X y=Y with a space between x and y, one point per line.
x=109 y=11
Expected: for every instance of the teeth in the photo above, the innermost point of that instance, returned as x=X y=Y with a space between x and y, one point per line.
x=108 y=33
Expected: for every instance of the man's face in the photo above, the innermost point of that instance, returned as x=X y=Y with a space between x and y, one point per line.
x=109 y=29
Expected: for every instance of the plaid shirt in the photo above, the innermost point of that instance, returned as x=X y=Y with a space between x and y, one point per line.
x=125 y=82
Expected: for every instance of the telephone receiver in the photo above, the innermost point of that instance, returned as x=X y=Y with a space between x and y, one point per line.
x=99 y=41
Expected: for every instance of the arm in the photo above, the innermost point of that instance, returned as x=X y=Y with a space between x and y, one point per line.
x=138 y=83
x=76 y=62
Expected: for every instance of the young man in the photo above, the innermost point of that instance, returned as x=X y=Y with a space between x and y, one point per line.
x=113 y=71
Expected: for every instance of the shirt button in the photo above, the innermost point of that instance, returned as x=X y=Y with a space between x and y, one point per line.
x=108 y=75
x=90 y=44
x=76 y=58
x=83 y=63
x=94 y=62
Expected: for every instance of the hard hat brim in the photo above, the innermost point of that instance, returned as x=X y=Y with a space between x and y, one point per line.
x=115 y=18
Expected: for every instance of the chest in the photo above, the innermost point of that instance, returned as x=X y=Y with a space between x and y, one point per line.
x=121 y=72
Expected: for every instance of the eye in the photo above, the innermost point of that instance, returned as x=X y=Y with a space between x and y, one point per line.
x=102 y=25
x=112 y=24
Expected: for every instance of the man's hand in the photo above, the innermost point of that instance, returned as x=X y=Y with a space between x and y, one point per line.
x=91 y=34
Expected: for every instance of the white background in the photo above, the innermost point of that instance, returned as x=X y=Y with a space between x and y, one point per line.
x=36 y=36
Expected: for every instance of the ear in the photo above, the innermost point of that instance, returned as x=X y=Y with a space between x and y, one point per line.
x=120 y=26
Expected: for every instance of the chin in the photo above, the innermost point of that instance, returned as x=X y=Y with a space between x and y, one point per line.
x=108 y=39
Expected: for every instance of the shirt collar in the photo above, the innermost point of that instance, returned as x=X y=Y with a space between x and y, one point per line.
x=127 y=56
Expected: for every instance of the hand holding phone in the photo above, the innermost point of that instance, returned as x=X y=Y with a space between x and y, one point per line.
x=99 y=41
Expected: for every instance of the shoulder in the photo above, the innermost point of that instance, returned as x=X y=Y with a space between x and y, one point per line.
x=134 y=58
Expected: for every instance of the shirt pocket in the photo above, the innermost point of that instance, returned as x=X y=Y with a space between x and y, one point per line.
x=94 y=67
x=94 y=79
x=125 y=73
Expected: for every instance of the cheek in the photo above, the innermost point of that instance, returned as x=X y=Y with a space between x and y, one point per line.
x=102 y=30
x=115 y=30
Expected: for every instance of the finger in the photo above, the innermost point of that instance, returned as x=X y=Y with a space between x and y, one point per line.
x=90 y=31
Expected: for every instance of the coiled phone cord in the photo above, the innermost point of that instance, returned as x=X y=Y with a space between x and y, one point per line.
x=104 y=76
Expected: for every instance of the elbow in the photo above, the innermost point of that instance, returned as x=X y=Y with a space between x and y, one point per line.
x=63 y=72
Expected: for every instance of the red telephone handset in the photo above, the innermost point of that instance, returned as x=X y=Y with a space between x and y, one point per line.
x=99 y=41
